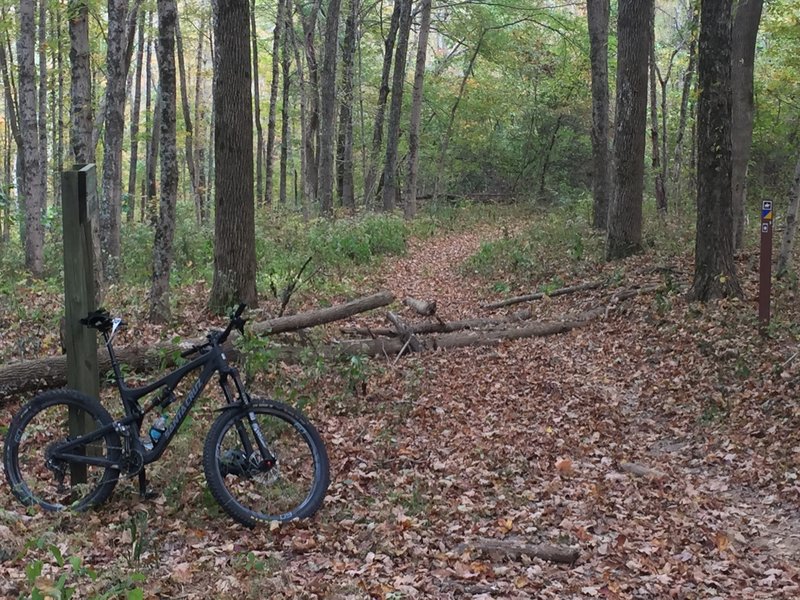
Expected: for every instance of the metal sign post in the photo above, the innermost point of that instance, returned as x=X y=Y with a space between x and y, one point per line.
x=765 y=268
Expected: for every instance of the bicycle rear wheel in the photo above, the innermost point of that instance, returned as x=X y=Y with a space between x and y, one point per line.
x=36 y=476
x=285 y=480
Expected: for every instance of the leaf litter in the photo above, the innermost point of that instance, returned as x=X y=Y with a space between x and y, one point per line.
x=661 y=442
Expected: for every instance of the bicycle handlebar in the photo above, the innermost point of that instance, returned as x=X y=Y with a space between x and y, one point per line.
x=236 y=321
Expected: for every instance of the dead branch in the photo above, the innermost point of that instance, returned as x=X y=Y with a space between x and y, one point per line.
x=442 y=327
x=538 y=295
x=404 y=333
x=515 y=548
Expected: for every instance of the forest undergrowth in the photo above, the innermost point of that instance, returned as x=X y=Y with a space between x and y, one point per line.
x=661 y=440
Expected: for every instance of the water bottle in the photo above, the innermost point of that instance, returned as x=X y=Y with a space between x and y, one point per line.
x=158 y=427
x=147 y=443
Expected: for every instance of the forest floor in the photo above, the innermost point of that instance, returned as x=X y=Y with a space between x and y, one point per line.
x=528 y=441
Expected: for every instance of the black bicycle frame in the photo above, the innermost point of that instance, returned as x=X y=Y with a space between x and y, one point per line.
x=211 y=361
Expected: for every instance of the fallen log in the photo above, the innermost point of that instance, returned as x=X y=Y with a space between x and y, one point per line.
x=51 y=371
x=515 y=548
x=441 y=327
x=538 y=295
x=391 y=346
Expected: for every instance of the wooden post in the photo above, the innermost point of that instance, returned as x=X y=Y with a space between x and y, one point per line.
x=79 y=207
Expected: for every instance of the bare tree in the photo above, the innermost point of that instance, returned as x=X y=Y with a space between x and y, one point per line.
x=658 y=178
x=188 y=140
x=259 y=158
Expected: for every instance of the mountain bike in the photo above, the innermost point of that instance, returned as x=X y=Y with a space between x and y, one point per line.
x=263 y=460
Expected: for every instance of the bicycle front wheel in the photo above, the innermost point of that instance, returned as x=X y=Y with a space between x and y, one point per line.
x=33 y=468
x=265 y=462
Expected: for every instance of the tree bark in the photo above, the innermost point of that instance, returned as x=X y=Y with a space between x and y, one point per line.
x=658 y=180
x=191 y=163
x=234 y=223
x=135 y=110
x=80 y=84
x=199 y=118
x=32 y=191
x=328 y=109
x=165 y=226
x=311 y=89
x=685 y=94
x=410 y=202
x=345 y=145
x=259 y=155
x=116 y=77
x=286 y=62
x=396 y=108
x=42 y=25
x=370 y=179
x=151 y=139
x=598 y=14
x=745 y=29
x=715 y=270
x=790 y=229
x=277 y=36
x=625 y=214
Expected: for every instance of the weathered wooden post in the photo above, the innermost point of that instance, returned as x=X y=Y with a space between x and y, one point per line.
x=79 y=208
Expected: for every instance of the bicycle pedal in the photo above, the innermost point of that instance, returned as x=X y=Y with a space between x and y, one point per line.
x=149 y=494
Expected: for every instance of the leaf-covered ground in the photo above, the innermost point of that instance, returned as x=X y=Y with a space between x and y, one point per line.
x=662 y=441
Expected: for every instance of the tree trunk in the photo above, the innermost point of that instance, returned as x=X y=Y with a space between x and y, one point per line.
x=43 y=103
x=304 y=144
x=410 y=202
x=790 y=229
x=32 y=191
x=277 y=35
x=548 y=153
x=745 y=29
x=598 y=13
x=165 y=226
x=715 y=270
x=286 y=62
x=153 y=153
x=311 y=174
x=116 y=76
x=59 y=111
x=396 y=108
x=344 y=152
x=234 y=224
x=259 y=157
x=658 y=180
x=383 y=93
x=150 y=139
x=625 y=214
x=685 y=93
x=328 y=109
x=135 y=110
x=81 y=83
x=199 y=117
x=191 y=163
